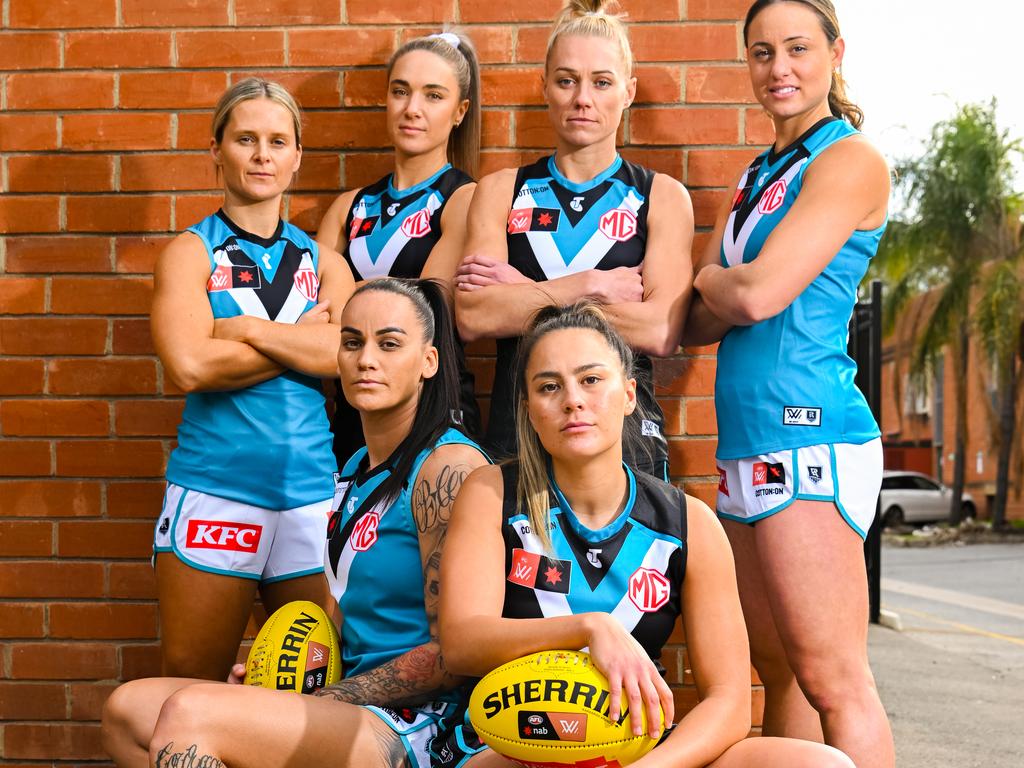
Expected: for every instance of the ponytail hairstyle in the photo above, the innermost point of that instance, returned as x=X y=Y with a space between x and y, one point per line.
x=458 y=50
x=534 y=460
x=838 y=103
x=246 y=90
x=439 y=396
x=588 y=18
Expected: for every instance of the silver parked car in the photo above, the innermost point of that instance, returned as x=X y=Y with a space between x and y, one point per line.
x=910 y=497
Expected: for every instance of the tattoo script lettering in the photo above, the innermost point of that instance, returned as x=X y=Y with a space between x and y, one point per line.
x=190 y=758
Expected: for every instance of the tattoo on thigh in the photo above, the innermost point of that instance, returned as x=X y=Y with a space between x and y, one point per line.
x=190 y=758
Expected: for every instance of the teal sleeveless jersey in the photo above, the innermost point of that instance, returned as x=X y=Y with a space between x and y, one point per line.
x=787 y=382
x=268 y=445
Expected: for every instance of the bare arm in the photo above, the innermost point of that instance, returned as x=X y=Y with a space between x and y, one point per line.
x=447 y=252
x=332 y=233
x=716 y=640
x=475 y=638
x=492 y=300
x=311 y=345
x=702 y=326
x=419 y=674
x=182 y=326
x=846 y=188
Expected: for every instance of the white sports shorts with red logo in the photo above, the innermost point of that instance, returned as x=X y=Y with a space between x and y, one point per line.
x=847 y=475
x=228 y=537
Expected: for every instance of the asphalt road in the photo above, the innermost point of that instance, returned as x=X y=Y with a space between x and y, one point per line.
x=952 y=678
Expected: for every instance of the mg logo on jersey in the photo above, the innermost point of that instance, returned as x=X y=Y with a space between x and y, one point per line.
x=648 y=589
x=519 y=221
x=772 y=198
x=417 y=224
x=307 y=284
x=364 y=535
x=215 y=534
x=618 y=224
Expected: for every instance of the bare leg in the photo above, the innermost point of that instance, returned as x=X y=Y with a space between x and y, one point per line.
x=202 y=618
x=278 y=593
x=813 y=568
x=767 y=752
x=130 y=715
x=786 y=710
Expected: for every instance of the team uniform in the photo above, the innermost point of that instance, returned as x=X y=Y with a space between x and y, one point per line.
x=391 y=233
x=249 y=483
x=375 y=573
x=791 y=422
x=557 y=227
x=633 y=568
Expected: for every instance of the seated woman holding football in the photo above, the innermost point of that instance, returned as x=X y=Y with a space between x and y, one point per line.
x=566 y=548
x=390 y=512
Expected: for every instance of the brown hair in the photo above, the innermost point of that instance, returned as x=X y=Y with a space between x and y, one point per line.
x=838 y=103
x=588 y=18
x=532 y=484
x=254 y=88
x=464 y=140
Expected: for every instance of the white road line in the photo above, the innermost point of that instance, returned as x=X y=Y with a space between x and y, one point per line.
x=950 y=597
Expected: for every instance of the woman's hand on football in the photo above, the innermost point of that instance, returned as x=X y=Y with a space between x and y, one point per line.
x=631 y=674
x=237 y=675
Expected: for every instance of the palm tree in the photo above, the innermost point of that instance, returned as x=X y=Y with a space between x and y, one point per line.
x=957 y=198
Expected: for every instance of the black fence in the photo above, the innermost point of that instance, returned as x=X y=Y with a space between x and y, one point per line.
x=865 y=347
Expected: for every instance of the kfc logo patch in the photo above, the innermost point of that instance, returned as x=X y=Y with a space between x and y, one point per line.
x=648 y=589
x=417 y=224
x=619 y=224
x=215 y=534
x=364 y=534
x=772 y=198
x=307 y=284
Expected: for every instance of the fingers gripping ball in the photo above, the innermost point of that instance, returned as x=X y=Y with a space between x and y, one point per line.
x=296 y=650
x=550 y=710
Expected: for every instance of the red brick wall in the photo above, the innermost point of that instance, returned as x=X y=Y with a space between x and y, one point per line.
x=104 y=126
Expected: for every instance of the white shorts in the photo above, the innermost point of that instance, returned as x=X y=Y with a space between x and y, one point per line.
x=228 y=537
x=847 y=475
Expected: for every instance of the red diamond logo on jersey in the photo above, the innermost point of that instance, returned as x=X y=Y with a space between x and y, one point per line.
x=525 y=566
x=220 y=280
x=307 y=284
x=362 y=227
x=364 y=534
x=519 y=220
x=723 y=484
x=618 y=224
x=417 y=224
x=648 y=589
x=772 y=198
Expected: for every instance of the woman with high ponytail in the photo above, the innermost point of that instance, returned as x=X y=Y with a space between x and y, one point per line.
x=580 y=223
x=412 y=222
x=799 y=452
x=396 y=704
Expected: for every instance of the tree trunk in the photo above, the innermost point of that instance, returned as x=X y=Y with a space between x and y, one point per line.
x=1007 y=422
x=956 y=504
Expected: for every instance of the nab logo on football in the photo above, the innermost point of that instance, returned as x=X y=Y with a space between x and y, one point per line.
x=648 y=589
x=417 y=224
x=619 y=224
x=364 y=535
x=772 y=198
x=519 y=221
x=307 y=284
x=212 y=534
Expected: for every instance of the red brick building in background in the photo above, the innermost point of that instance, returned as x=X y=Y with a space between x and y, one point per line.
x=104 y=132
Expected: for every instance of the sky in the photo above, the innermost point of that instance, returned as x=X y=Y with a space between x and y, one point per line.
x=910 y=62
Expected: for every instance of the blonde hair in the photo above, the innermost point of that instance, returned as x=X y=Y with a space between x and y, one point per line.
x=589 y=18
x=532 y=484
x=464 y=140
x=838 y=103
x=254 y=88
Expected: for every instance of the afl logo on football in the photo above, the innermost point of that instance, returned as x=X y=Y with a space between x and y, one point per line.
x=618 y=224
x=772 y=198
x=307 y=284
x=364 y=535
x=417 y=224
x=648 y=589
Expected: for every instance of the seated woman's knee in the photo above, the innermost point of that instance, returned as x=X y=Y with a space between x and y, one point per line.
x=187 y=713
x=117 y=714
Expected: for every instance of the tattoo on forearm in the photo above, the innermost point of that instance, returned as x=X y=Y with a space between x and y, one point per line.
x=190 y=758
x=416 y=676
x=432 y=503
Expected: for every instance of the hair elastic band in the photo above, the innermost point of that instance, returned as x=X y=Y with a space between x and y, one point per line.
x=448 y=37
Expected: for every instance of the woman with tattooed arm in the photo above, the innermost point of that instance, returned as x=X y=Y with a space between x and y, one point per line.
x=398 y=370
